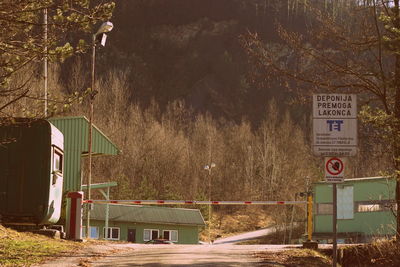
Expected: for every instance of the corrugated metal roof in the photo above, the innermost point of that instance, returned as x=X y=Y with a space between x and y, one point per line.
x=148 y=214
x=368 y=178
x=99 y=185
x=75 y=131
x=358 y=179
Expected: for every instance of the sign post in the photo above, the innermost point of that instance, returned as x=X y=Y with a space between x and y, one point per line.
x=334 y=225
x=334 y=136
x=334 y=169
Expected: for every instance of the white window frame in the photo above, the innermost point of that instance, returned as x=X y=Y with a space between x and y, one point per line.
x=60 y=154
x=151 y=234
x=369 y=207
x=90 y=232
x=111 y=231
x=170 y=235
x=375 y=206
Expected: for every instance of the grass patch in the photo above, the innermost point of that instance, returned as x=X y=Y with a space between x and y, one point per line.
x=24 y=249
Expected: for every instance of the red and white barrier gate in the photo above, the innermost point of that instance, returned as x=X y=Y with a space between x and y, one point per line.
x=195 y=202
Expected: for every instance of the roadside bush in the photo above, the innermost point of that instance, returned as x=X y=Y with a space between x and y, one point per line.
x=383 y=253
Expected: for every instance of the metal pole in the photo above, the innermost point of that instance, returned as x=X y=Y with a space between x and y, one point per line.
x=209 y=206
x=309 y=216
x=107 y=213
x=306 y=211
x=45 y=61
x=91 y=99
x=291 y=219
x=334 y=227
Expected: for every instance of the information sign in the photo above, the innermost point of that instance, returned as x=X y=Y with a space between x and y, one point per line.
x=335 y=124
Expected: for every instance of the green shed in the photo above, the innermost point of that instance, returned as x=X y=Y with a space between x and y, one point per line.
x=141 y=223
x=364 y=209
x=75 y=131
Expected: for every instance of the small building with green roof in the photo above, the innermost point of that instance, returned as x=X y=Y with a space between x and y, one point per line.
x=142 y=223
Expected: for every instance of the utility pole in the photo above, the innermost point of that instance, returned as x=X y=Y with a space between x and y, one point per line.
x=45 y=63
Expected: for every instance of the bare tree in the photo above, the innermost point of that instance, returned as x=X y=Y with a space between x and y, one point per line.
x=353 y=50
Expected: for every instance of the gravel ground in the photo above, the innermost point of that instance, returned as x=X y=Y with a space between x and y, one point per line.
x=184 y=255
x=89 y=253
x=165 y=255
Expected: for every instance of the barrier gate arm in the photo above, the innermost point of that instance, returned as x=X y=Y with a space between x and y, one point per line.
x=195 y=202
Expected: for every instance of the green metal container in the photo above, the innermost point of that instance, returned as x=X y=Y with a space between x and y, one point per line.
x=31 y=166
x=364 y=209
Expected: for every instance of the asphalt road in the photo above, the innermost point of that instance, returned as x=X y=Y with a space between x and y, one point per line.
x=186 y=255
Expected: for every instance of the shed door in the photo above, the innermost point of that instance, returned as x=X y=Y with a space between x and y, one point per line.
x=345 y=202
x=132 y=235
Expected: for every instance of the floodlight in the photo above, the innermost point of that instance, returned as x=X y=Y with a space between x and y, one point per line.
x=105 y=27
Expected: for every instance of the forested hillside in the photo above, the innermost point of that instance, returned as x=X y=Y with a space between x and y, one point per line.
x=192 y=51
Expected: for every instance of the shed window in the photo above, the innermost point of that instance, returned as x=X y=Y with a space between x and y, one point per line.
x=57 y=160
x=345 y=202
x=150 y=234
x=94 y=232
x=171 y=235
x=368 y=207
x=112 y=233
x=324 y=208
x=375 y=205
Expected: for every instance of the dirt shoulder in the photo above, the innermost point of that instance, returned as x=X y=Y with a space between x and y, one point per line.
x=294 y=258
x=28 y=249
x=88 y=252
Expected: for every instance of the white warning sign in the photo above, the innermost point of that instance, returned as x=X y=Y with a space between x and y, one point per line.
x=335 y=124
x=334 y=170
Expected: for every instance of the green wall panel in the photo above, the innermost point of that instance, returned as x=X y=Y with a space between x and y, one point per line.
x=368 y=223
x=376 y=189
x=323 y=193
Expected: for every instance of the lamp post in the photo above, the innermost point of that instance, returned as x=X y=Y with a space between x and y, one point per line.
x=105 y=27
x=208 y=168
